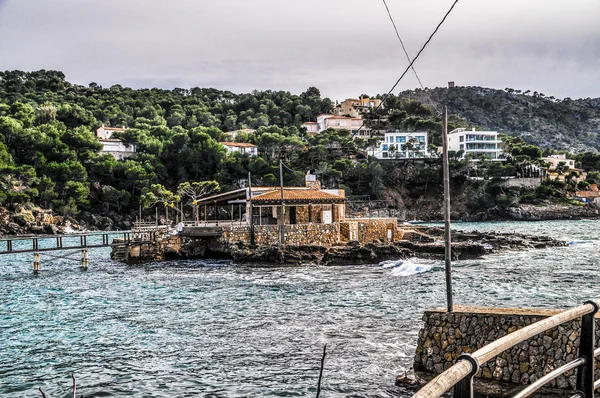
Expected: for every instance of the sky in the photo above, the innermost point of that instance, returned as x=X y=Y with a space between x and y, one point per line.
x=343 y=47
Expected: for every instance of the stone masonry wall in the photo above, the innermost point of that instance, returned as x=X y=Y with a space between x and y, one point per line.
x=445 y=336
x=375 y=229
x=296 y=235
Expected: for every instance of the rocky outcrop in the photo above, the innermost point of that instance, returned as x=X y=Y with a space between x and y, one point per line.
x=421 y=242
x=551 y=212
x=526 y=212
x=424 y=243
x=34 y=221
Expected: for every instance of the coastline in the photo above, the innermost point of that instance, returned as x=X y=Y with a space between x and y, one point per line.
x=419 y=242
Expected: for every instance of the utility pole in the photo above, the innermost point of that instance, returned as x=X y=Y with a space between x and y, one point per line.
x=252 y=238
x=447 y=236
x=282 y=226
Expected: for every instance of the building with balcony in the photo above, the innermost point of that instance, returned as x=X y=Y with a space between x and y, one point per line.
x=397 y=145
x=113 y=146
x=474 y=144
x=354 y=125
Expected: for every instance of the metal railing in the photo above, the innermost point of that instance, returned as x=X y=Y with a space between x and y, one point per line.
x=460 y=375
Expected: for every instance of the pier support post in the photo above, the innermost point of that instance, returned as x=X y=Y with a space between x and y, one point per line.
x=464 y=388
x=36 y=262
x=84 y=259
x=585 y=373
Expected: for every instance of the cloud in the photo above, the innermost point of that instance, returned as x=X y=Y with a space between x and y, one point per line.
x=344 y=47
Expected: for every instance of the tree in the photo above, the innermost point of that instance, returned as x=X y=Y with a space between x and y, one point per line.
x=158 y=194
x=196 y=190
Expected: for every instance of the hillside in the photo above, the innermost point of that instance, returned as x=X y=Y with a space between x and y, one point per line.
x=567 y=124
x=51 y=158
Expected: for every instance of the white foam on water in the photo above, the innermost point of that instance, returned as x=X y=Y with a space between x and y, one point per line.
x=406 y=268
x=391 y=263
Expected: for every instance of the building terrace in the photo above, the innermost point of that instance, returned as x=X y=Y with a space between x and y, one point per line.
x=305 y=215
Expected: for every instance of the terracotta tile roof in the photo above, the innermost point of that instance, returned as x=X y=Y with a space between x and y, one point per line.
x=299 y=196
x=238 y=144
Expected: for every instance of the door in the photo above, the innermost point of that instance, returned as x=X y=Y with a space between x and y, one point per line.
x=327 y=219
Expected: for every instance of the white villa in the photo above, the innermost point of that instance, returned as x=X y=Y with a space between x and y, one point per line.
x=397 y=145
x=112 y=146
x=326 y=121
x=475 y=143
x=241 y=147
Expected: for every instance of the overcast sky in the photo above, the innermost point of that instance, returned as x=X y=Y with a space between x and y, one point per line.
x=343 y=47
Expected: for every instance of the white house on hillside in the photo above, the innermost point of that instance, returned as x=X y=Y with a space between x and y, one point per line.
x=397 y=145
x=326 y=121
x=475 y=143
x=105 y=132
x=242 y=147
x=312 y=128
x=113 y=146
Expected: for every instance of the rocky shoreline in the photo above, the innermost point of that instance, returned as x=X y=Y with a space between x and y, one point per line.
x=423 y=242
x=36 y=221
x=527 y=212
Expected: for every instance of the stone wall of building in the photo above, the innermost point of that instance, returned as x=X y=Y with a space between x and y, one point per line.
x=372 y=229
x=297 y=235
x=444 y=336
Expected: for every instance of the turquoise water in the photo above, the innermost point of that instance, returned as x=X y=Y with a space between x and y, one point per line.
x=202 y=328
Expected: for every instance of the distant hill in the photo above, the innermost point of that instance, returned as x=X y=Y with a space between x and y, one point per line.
x=565 y=124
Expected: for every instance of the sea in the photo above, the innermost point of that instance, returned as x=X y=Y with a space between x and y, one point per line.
x=219 y=329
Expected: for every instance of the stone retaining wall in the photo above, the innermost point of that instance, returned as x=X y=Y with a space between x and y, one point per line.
x=523 y=182
x=444 y=336
x=295 y=235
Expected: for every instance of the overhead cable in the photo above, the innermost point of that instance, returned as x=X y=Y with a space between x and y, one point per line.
x=412 y=62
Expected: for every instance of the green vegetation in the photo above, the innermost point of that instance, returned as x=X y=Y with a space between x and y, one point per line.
x=548 y=122
x=50 y=156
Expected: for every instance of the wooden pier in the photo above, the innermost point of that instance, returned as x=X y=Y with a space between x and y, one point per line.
x=76 y=243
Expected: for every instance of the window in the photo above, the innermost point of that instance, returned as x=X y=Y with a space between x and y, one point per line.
x=385 y=154
x=421 y=138
x=400 y=139
x=384 y=147
x=462 y=147
x=461 y=138
x=391 y=139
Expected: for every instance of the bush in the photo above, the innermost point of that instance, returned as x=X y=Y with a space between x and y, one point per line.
x=528 y=197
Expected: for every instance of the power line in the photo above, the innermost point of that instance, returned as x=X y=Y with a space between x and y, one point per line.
x=408 y=58
x=412 y=62
x=401 y=42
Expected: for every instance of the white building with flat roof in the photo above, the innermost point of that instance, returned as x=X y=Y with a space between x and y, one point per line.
x=241 y=147
x=311 y=127
x=117 y=148
x=475 y=143
x=112 y=146
x=397 y=145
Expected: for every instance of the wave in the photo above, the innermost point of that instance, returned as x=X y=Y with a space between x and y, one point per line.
x=406 y=268
x=578 y=242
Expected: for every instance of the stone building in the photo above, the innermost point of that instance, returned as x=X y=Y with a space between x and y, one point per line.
x=307 y=215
